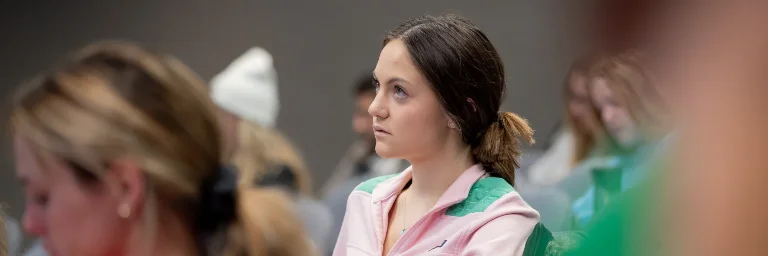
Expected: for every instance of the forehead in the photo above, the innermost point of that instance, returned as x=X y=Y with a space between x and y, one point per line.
x=394 y=60
x=28 y=162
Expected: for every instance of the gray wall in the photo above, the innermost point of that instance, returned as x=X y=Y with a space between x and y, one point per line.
x=320 y=48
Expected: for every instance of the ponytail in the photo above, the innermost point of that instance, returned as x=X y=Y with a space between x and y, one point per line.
x=499 y=147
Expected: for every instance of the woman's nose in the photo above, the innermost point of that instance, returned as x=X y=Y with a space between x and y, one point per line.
x=378 y=108
x=33 y=223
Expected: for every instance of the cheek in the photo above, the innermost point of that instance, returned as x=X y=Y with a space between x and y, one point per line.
x=93 y=216
x=419 y=129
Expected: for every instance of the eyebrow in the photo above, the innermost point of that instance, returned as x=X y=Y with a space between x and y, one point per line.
x=391 y=80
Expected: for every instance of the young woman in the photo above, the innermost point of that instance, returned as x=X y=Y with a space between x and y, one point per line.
x=583 y=136
x=440 y=86
x=621 y=93
x=119 y=153
x=563 y=173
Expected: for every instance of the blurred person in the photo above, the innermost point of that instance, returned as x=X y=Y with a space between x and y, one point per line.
x=582 y=135
x=360 y=162
x=265 y=156
x=711 y=73
x=246 y=94
x=562 y=174
x=261 y=155
x=440 y=83
x=119 y=153
x=620 y=90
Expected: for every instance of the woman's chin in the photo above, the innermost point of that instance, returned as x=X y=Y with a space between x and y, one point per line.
x=384 y=151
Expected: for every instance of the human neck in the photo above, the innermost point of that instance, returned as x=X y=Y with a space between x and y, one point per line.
x=172 y=238
x=433 y=175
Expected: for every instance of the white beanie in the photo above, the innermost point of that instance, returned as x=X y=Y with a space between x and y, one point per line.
x=247 y=88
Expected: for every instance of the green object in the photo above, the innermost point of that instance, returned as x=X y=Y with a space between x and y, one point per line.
x=369 y=185
x=538 y=241
x=482 y=194
x=625 y=227
x=542 y=242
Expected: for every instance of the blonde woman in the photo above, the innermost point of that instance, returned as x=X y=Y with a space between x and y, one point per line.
x=119 y=152
x=246 y=95
x=260 y=154
x=265 y=156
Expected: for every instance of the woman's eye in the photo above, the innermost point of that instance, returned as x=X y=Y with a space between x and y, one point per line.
x=376 y=85
x=41 y=200
x=399 y=92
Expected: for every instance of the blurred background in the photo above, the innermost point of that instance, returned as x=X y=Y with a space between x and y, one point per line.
x=320 y=49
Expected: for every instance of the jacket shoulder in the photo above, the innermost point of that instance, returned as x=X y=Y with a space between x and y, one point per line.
x=481 y=195
x=369 y=185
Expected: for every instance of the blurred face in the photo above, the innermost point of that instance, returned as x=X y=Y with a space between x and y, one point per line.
x=361 y=120
x=614 y=114
x=579 y=103
x=70 y=217
x=408 y=120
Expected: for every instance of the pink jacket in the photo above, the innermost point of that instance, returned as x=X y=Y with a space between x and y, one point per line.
x=477 y=215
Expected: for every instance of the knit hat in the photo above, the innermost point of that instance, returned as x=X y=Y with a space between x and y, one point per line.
x=247 y=88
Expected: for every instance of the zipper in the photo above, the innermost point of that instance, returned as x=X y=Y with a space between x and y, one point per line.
x=399 y=243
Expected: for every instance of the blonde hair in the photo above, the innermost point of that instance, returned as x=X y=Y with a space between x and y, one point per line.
x=118 y=100
x=259 y=148
x=628 y=81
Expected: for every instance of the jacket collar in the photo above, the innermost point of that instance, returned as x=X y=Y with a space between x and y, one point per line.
x=457 y=192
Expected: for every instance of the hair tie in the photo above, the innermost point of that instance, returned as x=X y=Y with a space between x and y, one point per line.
x=500 y=117
x=279 y=175
x=218 y=199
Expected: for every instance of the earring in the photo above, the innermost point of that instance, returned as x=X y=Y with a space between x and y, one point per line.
x=124 y=211
x=452 y=125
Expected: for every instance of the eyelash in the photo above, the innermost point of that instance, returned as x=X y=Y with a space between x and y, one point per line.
x=400 y=92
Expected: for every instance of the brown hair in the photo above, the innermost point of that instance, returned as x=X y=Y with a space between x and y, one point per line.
x=116 y=99
x=629 y=82
x=584 y=139
x=260 y=148
x=467 y=75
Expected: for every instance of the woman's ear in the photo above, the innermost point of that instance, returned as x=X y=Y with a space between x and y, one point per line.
x=452 y=124
x=127 y=183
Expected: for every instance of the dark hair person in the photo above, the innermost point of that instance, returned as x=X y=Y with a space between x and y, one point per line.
x=120 y=153
x=440 y=83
